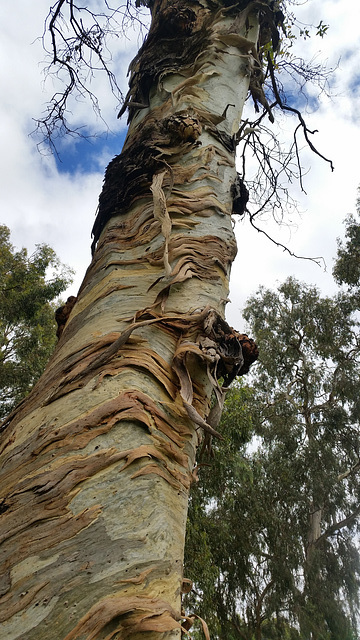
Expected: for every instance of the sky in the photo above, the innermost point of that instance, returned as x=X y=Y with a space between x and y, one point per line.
x=50 y=199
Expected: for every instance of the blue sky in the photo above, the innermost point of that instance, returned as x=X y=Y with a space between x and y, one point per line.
x=42 y=200
x=88 y=154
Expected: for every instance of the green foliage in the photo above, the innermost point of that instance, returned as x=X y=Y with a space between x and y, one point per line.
x=347 y=266
x=295 y=30
x=27 y=326
x=281 y=516
x=321 y=29
x=207 y=538
x=307 y=394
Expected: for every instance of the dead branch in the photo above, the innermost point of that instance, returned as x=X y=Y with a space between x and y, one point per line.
x=285 y=107
x=77 y=49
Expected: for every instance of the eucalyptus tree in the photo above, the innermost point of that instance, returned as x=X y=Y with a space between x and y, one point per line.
x=97 y=463
x=347 y=266
x=29 y=286
x=281 y=519
x=310 y=420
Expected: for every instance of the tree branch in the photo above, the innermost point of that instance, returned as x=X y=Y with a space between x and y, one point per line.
x=319 y=260
x=337 y=526
x=77 y=45
x=285 y=107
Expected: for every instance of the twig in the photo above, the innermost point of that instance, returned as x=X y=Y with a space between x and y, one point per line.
x=319 y=260
x=285 y=107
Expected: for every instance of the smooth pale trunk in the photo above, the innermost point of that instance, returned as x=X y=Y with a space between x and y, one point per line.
x=97 y=463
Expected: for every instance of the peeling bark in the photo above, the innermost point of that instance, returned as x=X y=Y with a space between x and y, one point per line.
x=97 y=462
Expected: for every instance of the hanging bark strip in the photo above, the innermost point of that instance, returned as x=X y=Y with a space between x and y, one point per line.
x=97 y=462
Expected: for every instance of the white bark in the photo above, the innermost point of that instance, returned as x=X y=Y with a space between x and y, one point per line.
x=96 y=464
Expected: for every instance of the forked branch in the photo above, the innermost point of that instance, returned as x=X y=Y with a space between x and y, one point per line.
x=77 y=49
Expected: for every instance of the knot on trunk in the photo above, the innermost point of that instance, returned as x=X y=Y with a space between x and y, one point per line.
x=235 y=351
x=184 y=127
x=176 y=20
x=250 y=353
x=226 y=354
x=240 y=196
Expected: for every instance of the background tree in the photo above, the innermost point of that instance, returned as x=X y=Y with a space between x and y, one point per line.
x=347 y=267
x=309 y=424
x=282 y=537
x=29 y=286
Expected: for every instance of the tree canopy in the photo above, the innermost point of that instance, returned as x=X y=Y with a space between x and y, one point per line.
x=347 y=267
x=29 y=285
x=277 y=520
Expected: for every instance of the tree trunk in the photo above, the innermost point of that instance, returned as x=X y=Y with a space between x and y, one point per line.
x=97 y=462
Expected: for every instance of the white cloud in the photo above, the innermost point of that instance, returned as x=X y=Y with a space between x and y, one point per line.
x=39 y=203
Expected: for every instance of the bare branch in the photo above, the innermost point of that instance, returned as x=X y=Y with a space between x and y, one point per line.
x=349 y=472
x=278 y=165
x=285 y=107
x=77 y=49
x=319 y=260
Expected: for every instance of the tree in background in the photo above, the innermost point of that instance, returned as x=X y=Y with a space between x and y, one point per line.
x=281 y=533
x=347 y=267
x=28 y=287
x=307 y=389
